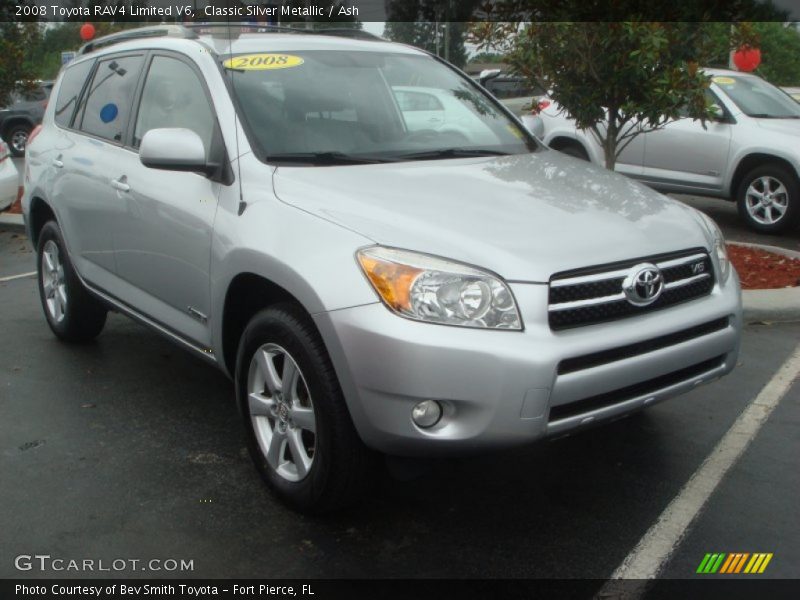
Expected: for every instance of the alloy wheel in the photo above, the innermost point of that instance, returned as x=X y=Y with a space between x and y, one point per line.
x=19 y=140
x=54 y=282
x=766 y=200
x=281 y=412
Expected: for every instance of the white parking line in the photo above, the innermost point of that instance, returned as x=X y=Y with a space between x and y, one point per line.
x=654 y=549
x=20 y=276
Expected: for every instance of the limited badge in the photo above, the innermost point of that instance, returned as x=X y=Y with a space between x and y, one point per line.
x=263 y=62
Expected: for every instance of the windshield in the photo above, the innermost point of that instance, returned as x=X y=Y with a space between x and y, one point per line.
x=757 y=98
x=324 y=107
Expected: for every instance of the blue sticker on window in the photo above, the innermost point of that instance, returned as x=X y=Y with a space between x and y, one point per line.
x=108 y=113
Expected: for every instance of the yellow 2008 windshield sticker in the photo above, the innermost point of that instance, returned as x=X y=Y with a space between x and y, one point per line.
x=262 y=62
x=723 y=80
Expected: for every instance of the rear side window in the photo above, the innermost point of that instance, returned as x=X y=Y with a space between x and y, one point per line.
x=71 y=86
x=108 y=101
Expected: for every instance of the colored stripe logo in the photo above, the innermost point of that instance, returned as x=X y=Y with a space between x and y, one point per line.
x=734 y=562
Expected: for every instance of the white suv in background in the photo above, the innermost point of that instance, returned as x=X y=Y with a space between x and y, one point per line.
x=750 y=153
x=9 y=178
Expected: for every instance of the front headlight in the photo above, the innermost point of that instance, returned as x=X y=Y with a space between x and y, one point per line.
x=435 y=290
x=720 y=250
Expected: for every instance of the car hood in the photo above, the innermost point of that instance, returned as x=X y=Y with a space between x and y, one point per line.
x=789 y=127
x=524 y=217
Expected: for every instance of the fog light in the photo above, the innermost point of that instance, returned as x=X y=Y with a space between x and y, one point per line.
x=426 y=414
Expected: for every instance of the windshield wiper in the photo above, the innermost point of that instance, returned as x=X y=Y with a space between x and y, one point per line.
x=451 y=153
x=768 y=116
x=325 y=158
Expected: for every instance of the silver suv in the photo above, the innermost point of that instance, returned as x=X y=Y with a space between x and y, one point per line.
x=272 y=203
x=749 y=153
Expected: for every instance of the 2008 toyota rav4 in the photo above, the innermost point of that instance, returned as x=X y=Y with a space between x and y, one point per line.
x=376 y=268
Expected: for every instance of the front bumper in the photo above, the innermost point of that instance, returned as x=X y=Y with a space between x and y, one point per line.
x=503 y=388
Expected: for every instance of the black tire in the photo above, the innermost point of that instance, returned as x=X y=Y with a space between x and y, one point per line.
x=574 y=151
x=776 y=173
x=82 y=315
x=16 y=132
x=342 y=465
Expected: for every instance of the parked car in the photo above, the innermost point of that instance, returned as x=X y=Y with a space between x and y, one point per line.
x=514 y=91
x=264 y=203
x=439 y=110
x=750 y=153
x=9 y=178
x=794 y=92
x=23 y=113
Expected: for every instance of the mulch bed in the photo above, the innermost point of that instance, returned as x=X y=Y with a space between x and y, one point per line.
x=762 y=270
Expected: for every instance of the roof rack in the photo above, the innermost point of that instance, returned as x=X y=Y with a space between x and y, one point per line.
x=188 y=31
x=135 y=34
x=265 y=27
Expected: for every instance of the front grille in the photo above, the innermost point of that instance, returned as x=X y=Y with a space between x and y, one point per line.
x=564 y=411
x=595 y=359
x=595 y=295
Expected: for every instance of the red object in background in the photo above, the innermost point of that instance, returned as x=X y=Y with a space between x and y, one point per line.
x=747 y=59
x=87 y=32
x=540 y=106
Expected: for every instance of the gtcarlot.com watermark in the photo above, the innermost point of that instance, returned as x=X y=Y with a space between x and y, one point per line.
x=47 y=563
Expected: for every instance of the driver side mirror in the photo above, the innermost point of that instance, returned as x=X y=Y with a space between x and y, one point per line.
x=174 y=149
x=718 y=113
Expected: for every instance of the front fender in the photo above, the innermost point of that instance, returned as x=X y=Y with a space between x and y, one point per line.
x=310 y=258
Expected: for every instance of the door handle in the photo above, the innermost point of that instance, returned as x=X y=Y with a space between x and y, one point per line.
x=119 y=184
x=58 y=163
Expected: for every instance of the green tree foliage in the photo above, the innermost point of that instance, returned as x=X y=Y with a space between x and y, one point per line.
x=780 y=53
x=15 y=38
x=618 y=79
x=415 y=22
x=779 y=44
x=487 y=57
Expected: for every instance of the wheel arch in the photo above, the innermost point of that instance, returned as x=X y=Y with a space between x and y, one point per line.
x=559 y=142
x=39 y=213
x=246 y=294
x=751 y=161
x=16 y=120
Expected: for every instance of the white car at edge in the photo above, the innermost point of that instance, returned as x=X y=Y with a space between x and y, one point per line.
x=750 y=153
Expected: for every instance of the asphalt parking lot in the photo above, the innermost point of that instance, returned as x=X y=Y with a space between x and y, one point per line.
x=131 y=448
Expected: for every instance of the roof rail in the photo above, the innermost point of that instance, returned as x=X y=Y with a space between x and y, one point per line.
x=265 y=27
x=239 y=25
x=188 y=31
x=136 y=34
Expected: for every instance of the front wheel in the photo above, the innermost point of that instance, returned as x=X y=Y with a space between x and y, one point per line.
x=768 y=199
x=72 y=313
x=299 y=431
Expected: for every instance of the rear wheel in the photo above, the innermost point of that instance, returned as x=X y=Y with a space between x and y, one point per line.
x=299 y=431
x=17 y=139
x=71 y=312
x=768 y=199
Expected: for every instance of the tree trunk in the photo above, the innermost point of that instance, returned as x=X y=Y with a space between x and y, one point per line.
x=610 y=141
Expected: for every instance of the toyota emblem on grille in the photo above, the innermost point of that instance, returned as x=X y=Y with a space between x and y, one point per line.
x=643 y=285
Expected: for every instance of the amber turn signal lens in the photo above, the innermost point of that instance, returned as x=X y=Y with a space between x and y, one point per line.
x=392 y=281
